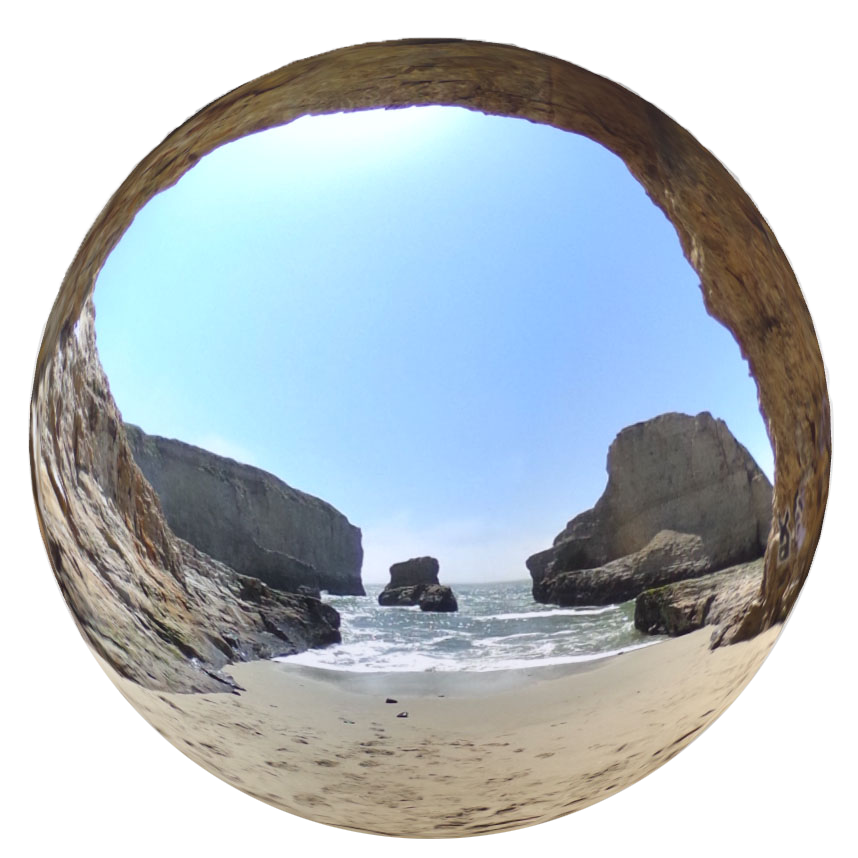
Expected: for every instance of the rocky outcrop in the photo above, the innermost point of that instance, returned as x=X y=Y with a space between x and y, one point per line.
x=400 y=597
x=158 y=610
x=683 y=499
x=689 y=605
x=437 y=597
x=418 y=570
x=415 y=582
x=746 y=281
x=250 y=519
x=667 y=557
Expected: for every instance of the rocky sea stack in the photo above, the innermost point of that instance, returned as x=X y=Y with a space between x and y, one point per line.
x=415 y=582
x=250 y=519
x=683 y=499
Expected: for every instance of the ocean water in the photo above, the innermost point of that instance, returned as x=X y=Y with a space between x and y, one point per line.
x=498 y=626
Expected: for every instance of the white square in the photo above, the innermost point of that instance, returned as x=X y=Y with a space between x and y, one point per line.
x=798 y=784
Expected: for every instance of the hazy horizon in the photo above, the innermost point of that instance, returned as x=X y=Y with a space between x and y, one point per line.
x=435 y=320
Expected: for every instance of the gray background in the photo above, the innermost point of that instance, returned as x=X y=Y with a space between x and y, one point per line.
x=97 y=104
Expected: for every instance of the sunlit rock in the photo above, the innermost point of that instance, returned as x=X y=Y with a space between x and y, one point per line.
x=250 y=519
x=683 y=499
x=683 y=607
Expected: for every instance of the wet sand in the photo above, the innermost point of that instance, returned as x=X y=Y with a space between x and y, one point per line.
x=477 y=752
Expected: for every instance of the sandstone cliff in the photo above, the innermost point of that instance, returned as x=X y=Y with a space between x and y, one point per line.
x=683 y=498
x=250 y=519
x=158 y=610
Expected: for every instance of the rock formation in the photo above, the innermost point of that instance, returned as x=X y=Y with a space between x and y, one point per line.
x=418 y=570
x=158 y=610
x=683 y=499
x=437 y=597
x=668 y=556
x=415 y=582
x=249 y=519
x=746 y=281
x=689 y=605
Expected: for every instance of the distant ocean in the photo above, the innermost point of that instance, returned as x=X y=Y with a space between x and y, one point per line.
x=498 y=627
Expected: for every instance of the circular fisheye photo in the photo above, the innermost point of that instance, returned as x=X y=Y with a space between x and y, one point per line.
x=430 y=438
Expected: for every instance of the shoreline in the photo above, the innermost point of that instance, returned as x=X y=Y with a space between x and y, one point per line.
x=491 y=754
x=426 y=683
x=498 y=627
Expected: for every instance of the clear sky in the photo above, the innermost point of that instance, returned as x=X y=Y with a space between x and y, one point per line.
x=433 y=319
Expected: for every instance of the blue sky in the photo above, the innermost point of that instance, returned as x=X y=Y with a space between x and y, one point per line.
x=433 y=319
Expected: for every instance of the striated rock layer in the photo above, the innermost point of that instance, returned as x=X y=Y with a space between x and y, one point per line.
x=689 y=605
x=683 y=499
x=158 y=610
x=250 y=519
x=746 y=281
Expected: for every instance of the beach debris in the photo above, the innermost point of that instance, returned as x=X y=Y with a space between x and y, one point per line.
x=391 y=700
x=402 y=715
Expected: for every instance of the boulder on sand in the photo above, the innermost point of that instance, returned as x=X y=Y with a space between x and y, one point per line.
x=685 y=606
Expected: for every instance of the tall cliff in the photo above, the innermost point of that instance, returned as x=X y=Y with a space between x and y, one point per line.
x=250 y=519
x=158 y=610
x=746 y=282
x=683 y=498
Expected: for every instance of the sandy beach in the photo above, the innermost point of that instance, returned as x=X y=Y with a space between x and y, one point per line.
x=477 y=753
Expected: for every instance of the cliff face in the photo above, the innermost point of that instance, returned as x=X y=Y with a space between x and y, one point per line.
x=158 y=610
x=746 y=282
x=249 y=519
x=684 y=498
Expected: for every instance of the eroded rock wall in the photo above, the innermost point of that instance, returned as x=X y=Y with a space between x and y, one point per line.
x=158 y=610
x=250 y=519
x=685 y=606
x=683 y=498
